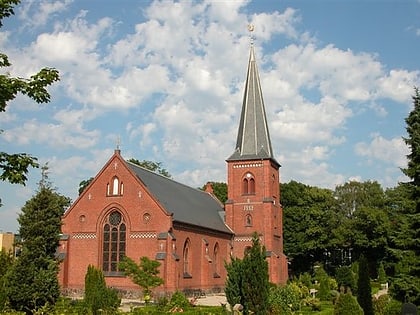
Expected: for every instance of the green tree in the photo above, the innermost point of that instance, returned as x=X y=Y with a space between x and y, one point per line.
x=309 y=217
x=234 y=280
x=364 y=289
x=219 y=190
x=152 y=166
x=98 y=297
x=345 y=279
x=405 y=285
x=255 y=283
x=6 y=261
x=145 y=274
x=347 y=305
x=247 y=280
x=14 y=167
x=83 y=184
x=32 y=281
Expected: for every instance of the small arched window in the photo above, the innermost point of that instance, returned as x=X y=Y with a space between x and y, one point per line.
x=114 y=242
x=115 y=188
x=187 y=259
x=248 y=220
x=248 y=184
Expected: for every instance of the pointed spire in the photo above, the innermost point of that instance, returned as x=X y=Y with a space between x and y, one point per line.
x=253 y=140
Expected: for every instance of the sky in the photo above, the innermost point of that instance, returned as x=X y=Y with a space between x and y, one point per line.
x=165 y=80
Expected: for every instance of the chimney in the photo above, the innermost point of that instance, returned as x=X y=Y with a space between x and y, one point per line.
x=209 y=188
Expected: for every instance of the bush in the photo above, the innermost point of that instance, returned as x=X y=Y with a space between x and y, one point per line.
x=179 y=300
x=97 y=295
x=285 y=299
x=380 y=304
x=393 y=307
x=347 y=305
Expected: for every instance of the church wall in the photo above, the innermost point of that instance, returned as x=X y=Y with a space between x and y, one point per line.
x=206 y=269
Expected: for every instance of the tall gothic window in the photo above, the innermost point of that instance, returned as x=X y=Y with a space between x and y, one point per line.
x=114 y=242
x=216 y=261
x=187 y=259
x=248 y=184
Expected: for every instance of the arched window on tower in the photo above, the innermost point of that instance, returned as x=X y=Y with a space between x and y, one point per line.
x=248 y=184
x=248 y=220
x=114 y=242
x=187 y=259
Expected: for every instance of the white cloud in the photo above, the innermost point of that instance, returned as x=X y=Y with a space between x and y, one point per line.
x=36 y=13
x=393 y=151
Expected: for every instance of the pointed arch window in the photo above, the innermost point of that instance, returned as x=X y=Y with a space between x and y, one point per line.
x=115 y=187
x=248 y=184
x=248 y=220
x=216 y=260
x=187 y=259
x=114 y=242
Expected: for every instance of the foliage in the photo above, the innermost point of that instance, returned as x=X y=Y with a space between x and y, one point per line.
x=83 y=184
x=347 y=305
x=179 y=300
x=285 y=299
x=152 y=166
x=14 y=167
x=364 y=289
x=145 y=274
x=32 y=281
x=405 y=247
x=6 y=261
x=234 y=280
x=255 y=283
x=247 y=280
x=345 y=278
x=219 y=190
x=381 y=274
x=98 y=297
x=309 y=218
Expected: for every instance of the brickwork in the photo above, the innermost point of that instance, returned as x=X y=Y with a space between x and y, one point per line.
x=147 y=226
x=257 y=211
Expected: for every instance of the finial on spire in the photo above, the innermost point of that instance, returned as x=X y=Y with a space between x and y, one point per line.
x=250 y=30
x=118 y=143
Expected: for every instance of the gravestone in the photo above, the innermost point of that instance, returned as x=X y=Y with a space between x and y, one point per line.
x=409 y=309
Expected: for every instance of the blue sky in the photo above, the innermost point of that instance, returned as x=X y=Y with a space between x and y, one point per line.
x=167 y=79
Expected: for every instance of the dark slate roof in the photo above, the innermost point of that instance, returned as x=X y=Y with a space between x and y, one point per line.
x=253 y=140
x=188 y=205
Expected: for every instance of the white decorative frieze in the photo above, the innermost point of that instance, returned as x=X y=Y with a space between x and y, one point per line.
x=84 y=236
x=143 y=235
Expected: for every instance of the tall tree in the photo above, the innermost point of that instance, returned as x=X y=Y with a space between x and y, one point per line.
x=309 y=218
x=32 y=281
x=255 y=282
x=364 y=289
x=14 y=167
x=98 y=297
x=405 y=285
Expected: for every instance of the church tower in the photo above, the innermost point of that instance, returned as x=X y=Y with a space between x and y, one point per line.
x=253 y=203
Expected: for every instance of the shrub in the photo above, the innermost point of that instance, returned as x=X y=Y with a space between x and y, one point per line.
x=347 y=305
x=97 y=295
x=179 y=300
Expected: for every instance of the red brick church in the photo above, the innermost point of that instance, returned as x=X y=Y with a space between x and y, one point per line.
x=129 y=211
